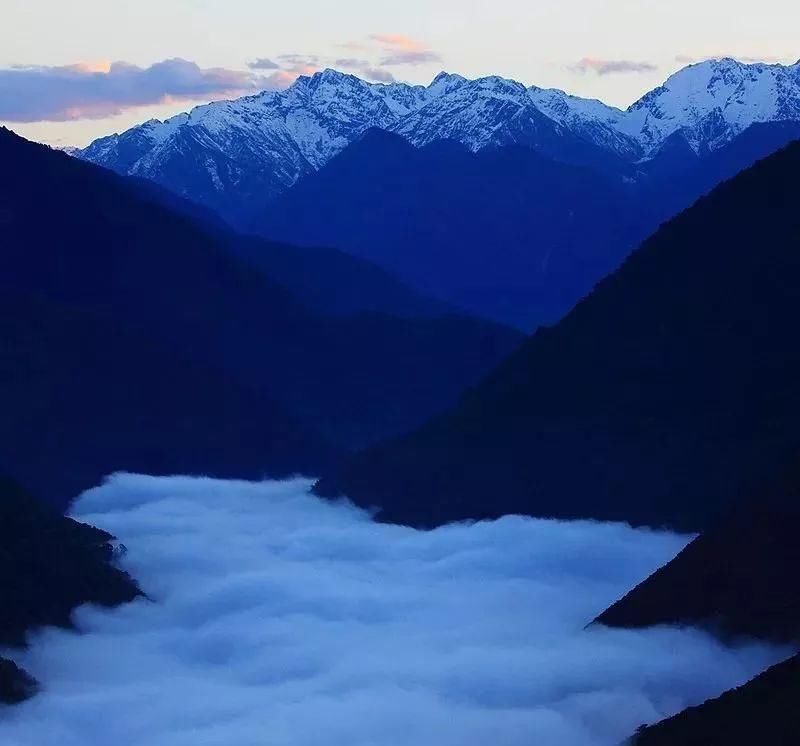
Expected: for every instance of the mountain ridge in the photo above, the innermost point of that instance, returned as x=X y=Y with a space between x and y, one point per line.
x=207 y=154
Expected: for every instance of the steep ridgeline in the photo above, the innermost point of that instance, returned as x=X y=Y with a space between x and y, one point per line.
x=136 y=337
x=48 y=566
x=232 y=155
x=763 y=711
x=738 y=578
x=505 y=232
x=667 y=392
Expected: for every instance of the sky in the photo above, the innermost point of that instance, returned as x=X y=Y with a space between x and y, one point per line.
x=276 y=617
x=74 y=70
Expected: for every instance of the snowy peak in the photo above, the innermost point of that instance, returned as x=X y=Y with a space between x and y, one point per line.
x=711 y=102
x=224 y=152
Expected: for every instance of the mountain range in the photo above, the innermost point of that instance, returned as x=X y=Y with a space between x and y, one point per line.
x=535 y=197
x=142 y=332
x=227 y=154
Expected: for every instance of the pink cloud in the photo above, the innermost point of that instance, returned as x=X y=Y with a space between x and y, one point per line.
x=400 y=49
x=399 y=41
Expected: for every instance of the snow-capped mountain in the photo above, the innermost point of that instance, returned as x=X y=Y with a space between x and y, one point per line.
x=229 y=153
x=223 y=154
x=712 y=102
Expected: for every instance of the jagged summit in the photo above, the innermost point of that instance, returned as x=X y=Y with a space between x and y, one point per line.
x=711 y=102
x=222 y=153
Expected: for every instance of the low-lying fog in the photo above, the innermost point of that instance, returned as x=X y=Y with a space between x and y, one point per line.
x=277 y=618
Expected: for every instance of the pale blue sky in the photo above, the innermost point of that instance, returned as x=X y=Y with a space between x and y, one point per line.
x=535 y=41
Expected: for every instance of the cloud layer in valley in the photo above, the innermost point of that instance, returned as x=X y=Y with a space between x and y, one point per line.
x=279 y=618
x=94 y=91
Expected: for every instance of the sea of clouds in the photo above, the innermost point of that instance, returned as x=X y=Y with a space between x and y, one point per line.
x=278 y=618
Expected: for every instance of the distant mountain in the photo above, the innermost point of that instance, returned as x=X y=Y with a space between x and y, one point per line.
x=233 y=155
x=505 y=232
x=137 y=336
x=763 y=711
x=49 y=565
x=668 y=392
x=326 y=280
x=333 y=283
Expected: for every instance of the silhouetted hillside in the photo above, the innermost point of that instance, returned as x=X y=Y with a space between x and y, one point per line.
x=665 y=394
x=82 y=397
x=16 y=685
x=197 y=316
x=49 y=565
x=738 y=578
x=763 y=711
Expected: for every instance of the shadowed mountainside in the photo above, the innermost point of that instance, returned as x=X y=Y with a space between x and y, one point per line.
x=85 y=243
x=666 y=394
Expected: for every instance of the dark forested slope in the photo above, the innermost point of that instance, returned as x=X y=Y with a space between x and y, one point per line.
x=763 y=711
x=48 y=566
x=194 y=315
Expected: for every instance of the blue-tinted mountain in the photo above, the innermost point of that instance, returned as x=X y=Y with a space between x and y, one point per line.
x=326 y=280
x=521 y=256
x=662 y=397
x=167 y=326
x=233 y=155
x=506 y=232
x=676 y=175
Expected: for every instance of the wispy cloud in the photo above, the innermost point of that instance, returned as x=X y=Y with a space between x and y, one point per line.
x=364 y=68
x=424 y=57
x=263 y=63
x=611 y=67
x=98 y=90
